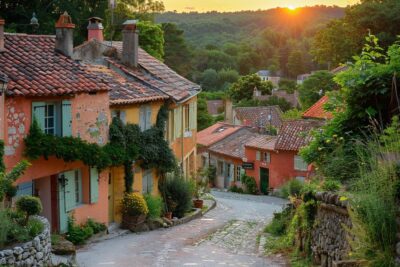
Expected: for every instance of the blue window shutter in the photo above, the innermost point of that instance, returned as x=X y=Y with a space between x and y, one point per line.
x=94 y=185
x=25 y=189
x=148 y=117
x=122 y=116
x=194 y=116
x=150 y=182
x=142 y=118
x=69 y=190
x=66 y=118
x=38 y=113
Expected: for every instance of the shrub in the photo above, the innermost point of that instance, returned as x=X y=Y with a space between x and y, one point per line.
x=212 y=174
x=280 y=222
x=178 y=195
x=96 y=226
x=155 y=205
x=331 y=185
x=250 y=183
x=29 y=205
x=291 y=188
x=78 y=234
x=133 y=204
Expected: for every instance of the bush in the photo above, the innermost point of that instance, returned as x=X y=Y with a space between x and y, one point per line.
x=178 y=195
x=155 y=206
x=236 y=189
x=212 y=174
x=280 y=222
x=78 y=234
x=331 y=185
x=291 y=188
x=96 y=226
x=133 y=204
x=29 y=205
x=250 y=183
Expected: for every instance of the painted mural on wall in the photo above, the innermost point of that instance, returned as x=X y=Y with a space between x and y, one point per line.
x=16 y=129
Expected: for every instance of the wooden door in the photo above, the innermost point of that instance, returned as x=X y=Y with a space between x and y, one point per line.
x=110 y=198
x=264 y=180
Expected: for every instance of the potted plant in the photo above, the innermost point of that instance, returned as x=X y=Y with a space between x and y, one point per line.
x=198 y=190
x=134 y=210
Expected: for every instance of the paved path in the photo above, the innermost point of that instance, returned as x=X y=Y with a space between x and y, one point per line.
x=226 y=236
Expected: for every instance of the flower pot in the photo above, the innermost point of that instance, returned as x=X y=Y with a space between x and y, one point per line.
x=168 y=215
x=130 y=222
x=198 y=203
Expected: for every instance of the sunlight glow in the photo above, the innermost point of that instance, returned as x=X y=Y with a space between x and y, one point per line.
x=291 y=7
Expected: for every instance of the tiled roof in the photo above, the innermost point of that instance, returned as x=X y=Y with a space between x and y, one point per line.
x=234 y=144
x=125 y=91
x=216 y=133
x=263 y=72
x=214 y=106
x=176 y=86
x=294 y=134
x=317 y=110
x=35 y=69
x=258 y=116
x=263 y=142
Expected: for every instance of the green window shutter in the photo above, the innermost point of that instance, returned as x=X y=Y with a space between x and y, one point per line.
x=66 y=118
x=94 y=185
x=69 y=190
x=176 y=130
x=194 y=116
x=148 y=117
x=38 y=113
x=25 y=189
x=142 y=118
x=178 y=121
x=122 y=116
x=258 y=156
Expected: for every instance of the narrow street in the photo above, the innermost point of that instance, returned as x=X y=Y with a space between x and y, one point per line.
x=224 y=236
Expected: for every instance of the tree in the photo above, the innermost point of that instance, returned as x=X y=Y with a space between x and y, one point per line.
x=151 y=38
x=243 y=89
x=315 y=86
x=204 y=119
x=226 y=77
x=295 y=65
x=288 y=85
x=277 y=101
x=176 y=52
x=209 y=80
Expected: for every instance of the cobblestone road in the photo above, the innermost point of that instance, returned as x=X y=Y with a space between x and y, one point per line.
x=224 y=236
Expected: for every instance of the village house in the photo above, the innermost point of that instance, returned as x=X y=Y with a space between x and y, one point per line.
x=275 y=159
x=65 y=99
x=262 y=119
x=265 y=75
x=293 y=99
x=215 y=107
x=143 y=85
x=317 y=111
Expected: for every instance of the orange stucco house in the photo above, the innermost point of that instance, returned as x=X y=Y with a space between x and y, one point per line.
x=66 y=99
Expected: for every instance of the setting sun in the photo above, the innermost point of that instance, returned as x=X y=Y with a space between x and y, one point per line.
x=291 y=7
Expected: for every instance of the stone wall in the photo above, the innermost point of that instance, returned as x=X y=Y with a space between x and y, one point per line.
x=33 y=253
x=329 y=244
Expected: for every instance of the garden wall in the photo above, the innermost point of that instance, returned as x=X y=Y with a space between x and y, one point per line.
x=328 y=238
x=33 y=253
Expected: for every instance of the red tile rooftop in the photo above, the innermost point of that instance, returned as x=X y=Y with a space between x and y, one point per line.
x=216 y=133
x=317 y=110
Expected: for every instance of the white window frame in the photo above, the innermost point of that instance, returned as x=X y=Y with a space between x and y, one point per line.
x=147 y=188
x=266 y=157
x=300 y=164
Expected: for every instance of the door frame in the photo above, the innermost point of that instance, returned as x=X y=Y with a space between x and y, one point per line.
x=266 y=171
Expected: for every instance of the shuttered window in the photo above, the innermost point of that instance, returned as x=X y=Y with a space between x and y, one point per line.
x=171 y=126
x=145 y=117
x=178 y=122
x=25 y=189
x=187 y=117
x=72 y=189
x=300 y=164
x=266 y=157
x=193 y=116
x=147 y=182
x=66 y=118
x=258 y=155
x=53 y=117
x=94 y=185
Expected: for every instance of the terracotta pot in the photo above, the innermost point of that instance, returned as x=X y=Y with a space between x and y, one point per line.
x=168 y=215
x=198 y=203
x=130 y=222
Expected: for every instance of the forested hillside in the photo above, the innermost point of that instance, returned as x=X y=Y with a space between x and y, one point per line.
x=214 y=28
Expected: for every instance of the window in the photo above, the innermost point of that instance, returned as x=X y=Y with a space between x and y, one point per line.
x=203 y=161
x=77 y=188
x=53 y=117
x=301 y=178
x=121 y=114
x=147 y=182
x=300 y=164
x=72 y=186
x=187 y=118
x=220 y=168
x=145 y=117
x=266 y=157
x=258 y=155
x=238 y=172
x=171 y=127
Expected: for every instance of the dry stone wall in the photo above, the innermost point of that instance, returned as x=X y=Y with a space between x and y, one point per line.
x=33 y=253
x=329 y=244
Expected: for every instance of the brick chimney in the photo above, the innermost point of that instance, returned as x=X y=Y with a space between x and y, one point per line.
x=95 y=29
x=65 y=35
x=130 y=43
x=2 y=22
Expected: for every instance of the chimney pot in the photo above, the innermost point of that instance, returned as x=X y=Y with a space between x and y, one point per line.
x=130 y=43
x=65 y=35
x=2 y=22
x=95 y=29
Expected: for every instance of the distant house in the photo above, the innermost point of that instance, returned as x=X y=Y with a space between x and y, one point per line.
x=302 y=77
x=275 y=160
x=215 y=107
x=210 y=136
x=259 y=118
x=293 y=99
x=317 y=111
x=265 y=75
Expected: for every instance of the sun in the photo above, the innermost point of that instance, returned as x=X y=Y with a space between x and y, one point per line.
x=291 y=7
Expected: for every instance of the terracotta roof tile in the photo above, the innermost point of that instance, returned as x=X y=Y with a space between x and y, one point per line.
x=234 y=144
x=258 y=116
x=35 y=69
x=216 y=133
x=317 y=110
x=263 y=142
x=294 y=134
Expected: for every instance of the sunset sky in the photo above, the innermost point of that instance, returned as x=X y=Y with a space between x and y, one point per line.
x=236 y=5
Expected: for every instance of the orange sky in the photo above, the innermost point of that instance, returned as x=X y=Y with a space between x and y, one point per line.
x=236 y=5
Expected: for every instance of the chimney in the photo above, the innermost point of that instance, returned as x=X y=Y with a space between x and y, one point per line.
x=95 y=29
x=130 y=43
x=2 y=22
x=65 y=35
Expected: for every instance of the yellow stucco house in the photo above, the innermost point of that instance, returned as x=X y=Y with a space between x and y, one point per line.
x=141 y=86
